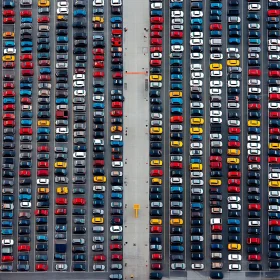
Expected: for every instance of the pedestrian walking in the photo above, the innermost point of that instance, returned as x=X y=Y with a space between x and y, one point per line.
x=125 y=29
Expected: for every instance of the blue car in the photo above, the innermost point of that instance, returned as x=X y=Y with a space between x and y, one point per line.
x=116 y=195
x=80 y=13
x=26 y=20
x=177 y=42
x=98 y=203
x=61 y=138
x=116 y=19
x=197 y=21
x=7 y=231
x=62 y=39
x=116 y=143
x=216 y=5
x=176 y=111
x=43 y=130
x=26 y=44
x=233 y=222
x=216 y=13
x=25 y=197
x=215 y=33
x=195 y=160
x=43 y=55
x=98 y=105
x=24 y=258
x=197 y=206
x=156 y=13
x=42 y=220
x=27 y=50
x=26 y=122
x=234 y=41
x=61 y=228
x=25 y=86
x=176 y=101
x=60 y=101
x=9 y=44
x=176 y=86
x=198 y=28
x=176 y=77
x=7 y=215
x=25 y=164
x=176 y=189
x=176 y=5
x=7 y=224
x=196 y=137
x=176 y=62
x=26 y=114
x=41 y=238
x=25 y=92
x=98 y=196
x=234 y=27
x=45 y=70
x=9 y=100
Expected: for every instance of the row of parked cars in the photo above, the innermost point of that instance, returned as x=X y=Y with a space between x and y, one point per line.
x=273 y=28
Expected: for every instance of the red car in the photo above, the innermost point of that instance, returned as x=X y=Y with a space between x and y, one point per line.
x=26 y=65
x=216 y=165
x=274 y=130
x=254 y=106
x=41 y=212
x=7 y=258
x=156 y=49
x=41 y=267
x=254 y=258
x=9 y=117
x=116 y=113
x=8 y=85
x=25 y=13
x=9 y=20
x=98 y=74
x=234 y=174
x=9 y=65
x=98 y=51
x=23 y=248
x=24 y=173
x=60 y=211
x=273 y=159
x=156 y=41
x=157 y=20
x=176 y=34
x=44 y=62
x=254 y=240
x=216 y=228
x=80 y=70
x=8 y=13
x=273 y=13
x=176 y=119
x=156 y=229
x=25 y=100
x=231 y=189
x=117 y=104
x=156 y=266
x=215 y=158
x=254 y=159
x=216 y=26
x=44 y=78
x=176 y=165
x=234 y=130
x=117 y=75
x=156 y=27
x=99 y=258
x=79 y=201
x=233 y=144
x=98 y=162
x=155 y=62
x=115 y=247
x=9 y=107
x=156 y=257
x=43 y=164
x=234 y=182
x=26 y=57
x=43 y=19
x=9 y=93
x=42 y=172
x=274 y=115
x=274 y=96
x=27 y=72
x=254 y=72
x=10 y=123
x=98 y=64
x=156 y=172
x=254 y=206
x=43 y=149
x=116 y=257
x=116 y=43
x=61 y=201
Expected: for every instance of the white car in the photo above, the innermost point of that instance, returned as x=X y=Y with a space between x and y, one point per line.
x=116 y=2
x=80 y=92
x=176 y=180
x=215 y=91
x=234 y=19
x=274 y=57
x=233 y=83
x=254 y=146
x=274 y=89
x=196 y=42
x=254 y=7
x=196 y=152
x=117 y=164
x=10 y=51
x=7 y=242
x=177 y=48
x=196 y=67
x=216 y=113
x=234 y=206
x=197 y=105
x=156 y=5
x=196 y=83
x=25 y=204
x=229 y=50
x=216 y=73
x=177 y=21
x=156 y=55
x=274 y=176
x=197 y=75
x=234 y=266
x=216 y=84
x=254 y=223
x=253 y=55
x=196 y=14
x=155 y=85
x=79 y=77
x=254 y=152
x=116 y=229
x=98 y=142
x=43 y=181
x=156 y=116
x=216 y=136
x=79 y=155
x=273 y=105
x=196 y=35
x=255 y=90
x=116 y=138
x=273 y=208
x=177 y=14
x=98 y=98
x=215 y=105
x=254 y=167
x=233 y=198
x=197 y=174
x=196 y=145
x=273 y=48
x=62 y=4
x=197 y=266
x=61 y=267
x=177 y=27
x=196 y=56
x=215 y=221
x=98 y=3
x=234 y=257
x=197 y=182
x=62 y=130
x=255 y=26
x=116 y=174
x=98 y=188
x=274 y=42
x=274 y=193
x=216 y=56
x=62 y=11
x=78 y=83
x=254 y=138
x=216 y=120
x=254 y=82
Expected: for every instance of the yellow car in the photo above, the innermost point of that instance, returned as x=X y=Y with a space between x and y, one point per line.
x=274 y=146
x=197 y=121
x=176 y=221
x=156 y=130
x=43 y=190
x=233 y=152
x=62 y=190
x=60 y=164
x=97 y=220
x=233 y=62
x=8 y=34
x=175 y=94
x=62 y=18
x=155 y=78
x=98 y=19
x=156 y=181
x=43 y=3
x=216 y=66
x=254 y=123
x=155 y=222
x=215 y=182
x=234 y=247
x=196 y=130
x=274 y=184
x=176 y=144
x=233 y=160
x=99 y=179
x=116 y=128
x=156 y=162
x=44 y=123
x=8 y=58
x=196 y=167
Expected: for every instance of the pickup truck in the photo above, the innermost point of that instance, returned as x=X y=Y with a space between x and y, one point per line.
x=62 y=114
